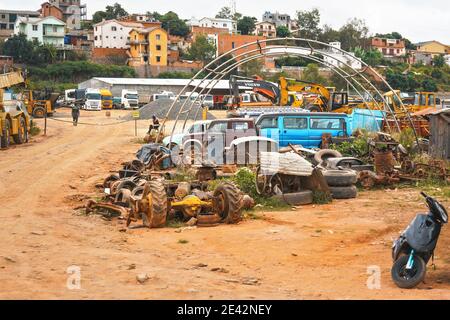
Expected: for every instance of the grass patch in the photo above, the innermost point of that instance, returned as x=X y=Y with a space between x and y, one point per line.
x=252 y=215
x=34 y=129
x=183 y=241
x=138 y=141
x=320 y=197
x=175 y=223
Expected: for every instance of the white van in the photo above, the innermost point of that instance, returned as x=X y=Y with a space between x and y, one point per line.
x=130 y=99
x=93 y=100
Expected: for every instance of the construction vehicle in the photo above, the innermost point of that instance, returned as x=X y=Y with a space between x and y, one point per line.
x=250 y=98
x=15 y=122
x=421 y=101
x=40 y=102
x=325 y=99
x=107 y=99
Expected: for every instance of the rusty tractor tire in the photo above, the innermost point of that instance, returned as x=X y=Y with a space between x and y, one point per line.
x=38 y=112
x=227 y=202
x=137 y=192
x=340 y=178
x=123 y=198
x=349 y=192
x=22 y=136
x=297 y=198
x=109 y=180
x=6 y=134
x=208 y=220
x=324 y=154
x=156 y=214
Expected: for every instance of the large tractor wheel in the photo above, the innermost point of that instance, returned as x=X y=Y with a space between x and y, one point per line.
x=6 y=134
x=22 y=135
x=155 y=208
x=227 y=202
x=39 y=112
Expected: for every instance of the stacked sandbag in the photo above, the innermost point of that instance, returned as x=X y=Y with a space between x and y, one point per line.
x=342 y=183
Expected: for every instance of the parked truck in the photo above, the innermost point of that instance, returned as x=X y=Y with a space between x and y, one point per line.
x=129 y=99
x=107 y=99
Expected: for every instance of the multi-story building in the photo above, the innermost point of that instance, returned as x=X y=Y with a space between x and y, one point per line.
x=229 y=24
x=48 y=9
x=433 y=47
x=265 y=29
x=73 y=12
x=113 y=34
x=278 y=19
x=8 y=20
x=148 y=46
x=389 y=47
x=46 y=30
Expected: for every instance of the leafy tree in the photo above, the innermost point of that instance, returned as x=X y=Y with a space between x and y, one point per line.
x=175 y=75
x=372 y=57
x=246 y=25
x=291 y=61
x=308 y=22
x=311 y=74
x=429 y=85
x=20 y=48
x=353 y=34
x=251 y=68
x=173 y=24
x=283 y=32
x=112 y=12
x=328 y=34
x=201 y=50
x=224 y=13
x=439 y=61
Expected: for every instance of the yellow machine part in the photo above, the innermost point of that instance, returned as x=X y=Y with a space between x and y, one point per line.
x=191 y=205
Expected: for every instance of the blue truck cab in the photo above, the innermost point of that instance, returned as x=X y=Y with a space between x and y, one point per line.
x=302 y=128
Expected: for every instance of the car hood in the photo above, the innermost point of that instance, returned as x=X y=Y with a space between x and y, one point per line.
x=176 y=138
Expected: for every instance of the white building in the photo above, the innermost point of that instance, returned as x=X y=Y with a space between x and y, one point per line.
x=229 y=24
x=266 y=29
x=338 y=59
x=47 y=30
x=447 y=59
x=113 y=33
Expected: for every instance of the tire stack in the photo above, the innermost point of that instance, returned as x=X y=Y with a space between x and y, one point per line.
x=342 y=183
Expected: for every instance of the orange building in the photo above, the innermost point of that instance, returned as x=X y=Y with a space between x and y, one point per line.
x=48 y=9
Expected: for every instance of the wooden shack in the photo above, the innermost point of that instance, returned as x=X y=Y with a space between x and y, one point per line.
x=440 y=134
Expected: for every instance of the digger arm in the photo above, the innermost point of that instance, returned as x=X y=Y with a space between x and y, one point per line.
x=264 y=88
x=287 y=85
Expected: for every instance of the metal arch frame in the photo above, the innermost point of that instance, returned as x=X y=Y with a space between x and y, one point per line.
x=313 y=58
x=258 y=43
x=240 y=62
x=338 y=70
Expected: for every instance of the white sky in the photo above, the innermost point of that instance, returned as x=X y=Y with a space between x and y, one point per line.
x=418 y=20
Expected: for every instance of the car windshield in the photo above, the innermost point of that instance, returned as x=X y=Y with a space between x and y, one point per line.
x=93 y=96
x=131 y=96
x=107 y=97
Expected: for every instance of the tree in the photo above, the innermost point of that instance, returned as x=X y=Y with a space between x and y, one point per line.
x=372 y=57
x=353 y=34
x=252 y=68
x=20 y=48
x=291 y=61
x=201 y=50
x=224 y=13
x=246 y=25
x=328 y=34
x=283 y=32
x=173 y=24
x=112 y=12
x=308 y=22
x=439 y=61
x=311 y=74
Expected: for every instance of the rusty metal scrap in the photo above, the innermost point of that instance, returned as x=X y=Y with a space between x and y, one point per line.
x=111 y=208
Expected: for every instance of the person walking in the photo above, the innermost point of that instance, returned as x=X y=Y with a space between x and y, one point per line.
x=75 y=113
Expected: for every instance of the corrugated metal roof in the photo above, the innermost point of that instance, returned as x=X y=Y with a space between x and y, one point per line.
x=222 y=84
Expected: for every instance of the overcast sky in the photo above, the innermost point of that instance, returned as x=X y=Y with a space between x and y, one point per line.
x=418 y=20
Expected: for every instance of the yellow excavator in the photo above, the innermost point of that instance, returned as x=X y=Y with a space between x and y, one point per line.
x=15 y=122
x=326 y=100
x=422 y=101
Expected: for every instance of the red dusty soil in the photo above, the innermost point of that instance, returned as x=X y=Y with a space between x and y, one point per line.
x=313 y=252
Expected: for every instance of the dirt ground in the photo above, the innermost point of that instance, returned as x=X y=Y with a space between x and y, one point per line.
x=312 y=252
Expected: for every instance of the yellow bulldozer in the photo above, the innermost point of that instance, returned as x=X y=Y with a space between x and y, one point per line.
x=40 y=103
x=15 y=122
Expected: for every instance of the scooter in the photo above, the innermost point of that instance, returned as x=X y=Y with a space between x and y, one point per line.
x=415 y=246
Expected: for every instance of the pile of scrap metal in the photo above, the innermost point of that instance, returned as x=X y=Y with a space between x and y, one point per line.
x=290 y=175
x=138 y=193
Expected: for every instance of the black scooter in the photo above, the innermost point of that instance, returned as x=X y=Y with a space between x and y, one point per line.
x=415 y=246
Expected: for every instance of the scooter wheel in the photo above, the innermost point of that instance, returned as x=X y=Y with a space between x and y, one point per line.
x=408 y=279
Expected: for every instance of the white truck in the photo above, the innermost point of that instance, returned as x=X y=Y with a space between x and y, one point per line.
x=130 y=99
x=93 y=100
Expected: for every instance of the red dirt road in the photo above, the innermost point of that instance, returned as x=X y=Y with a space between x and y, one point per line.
x=313 y=252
